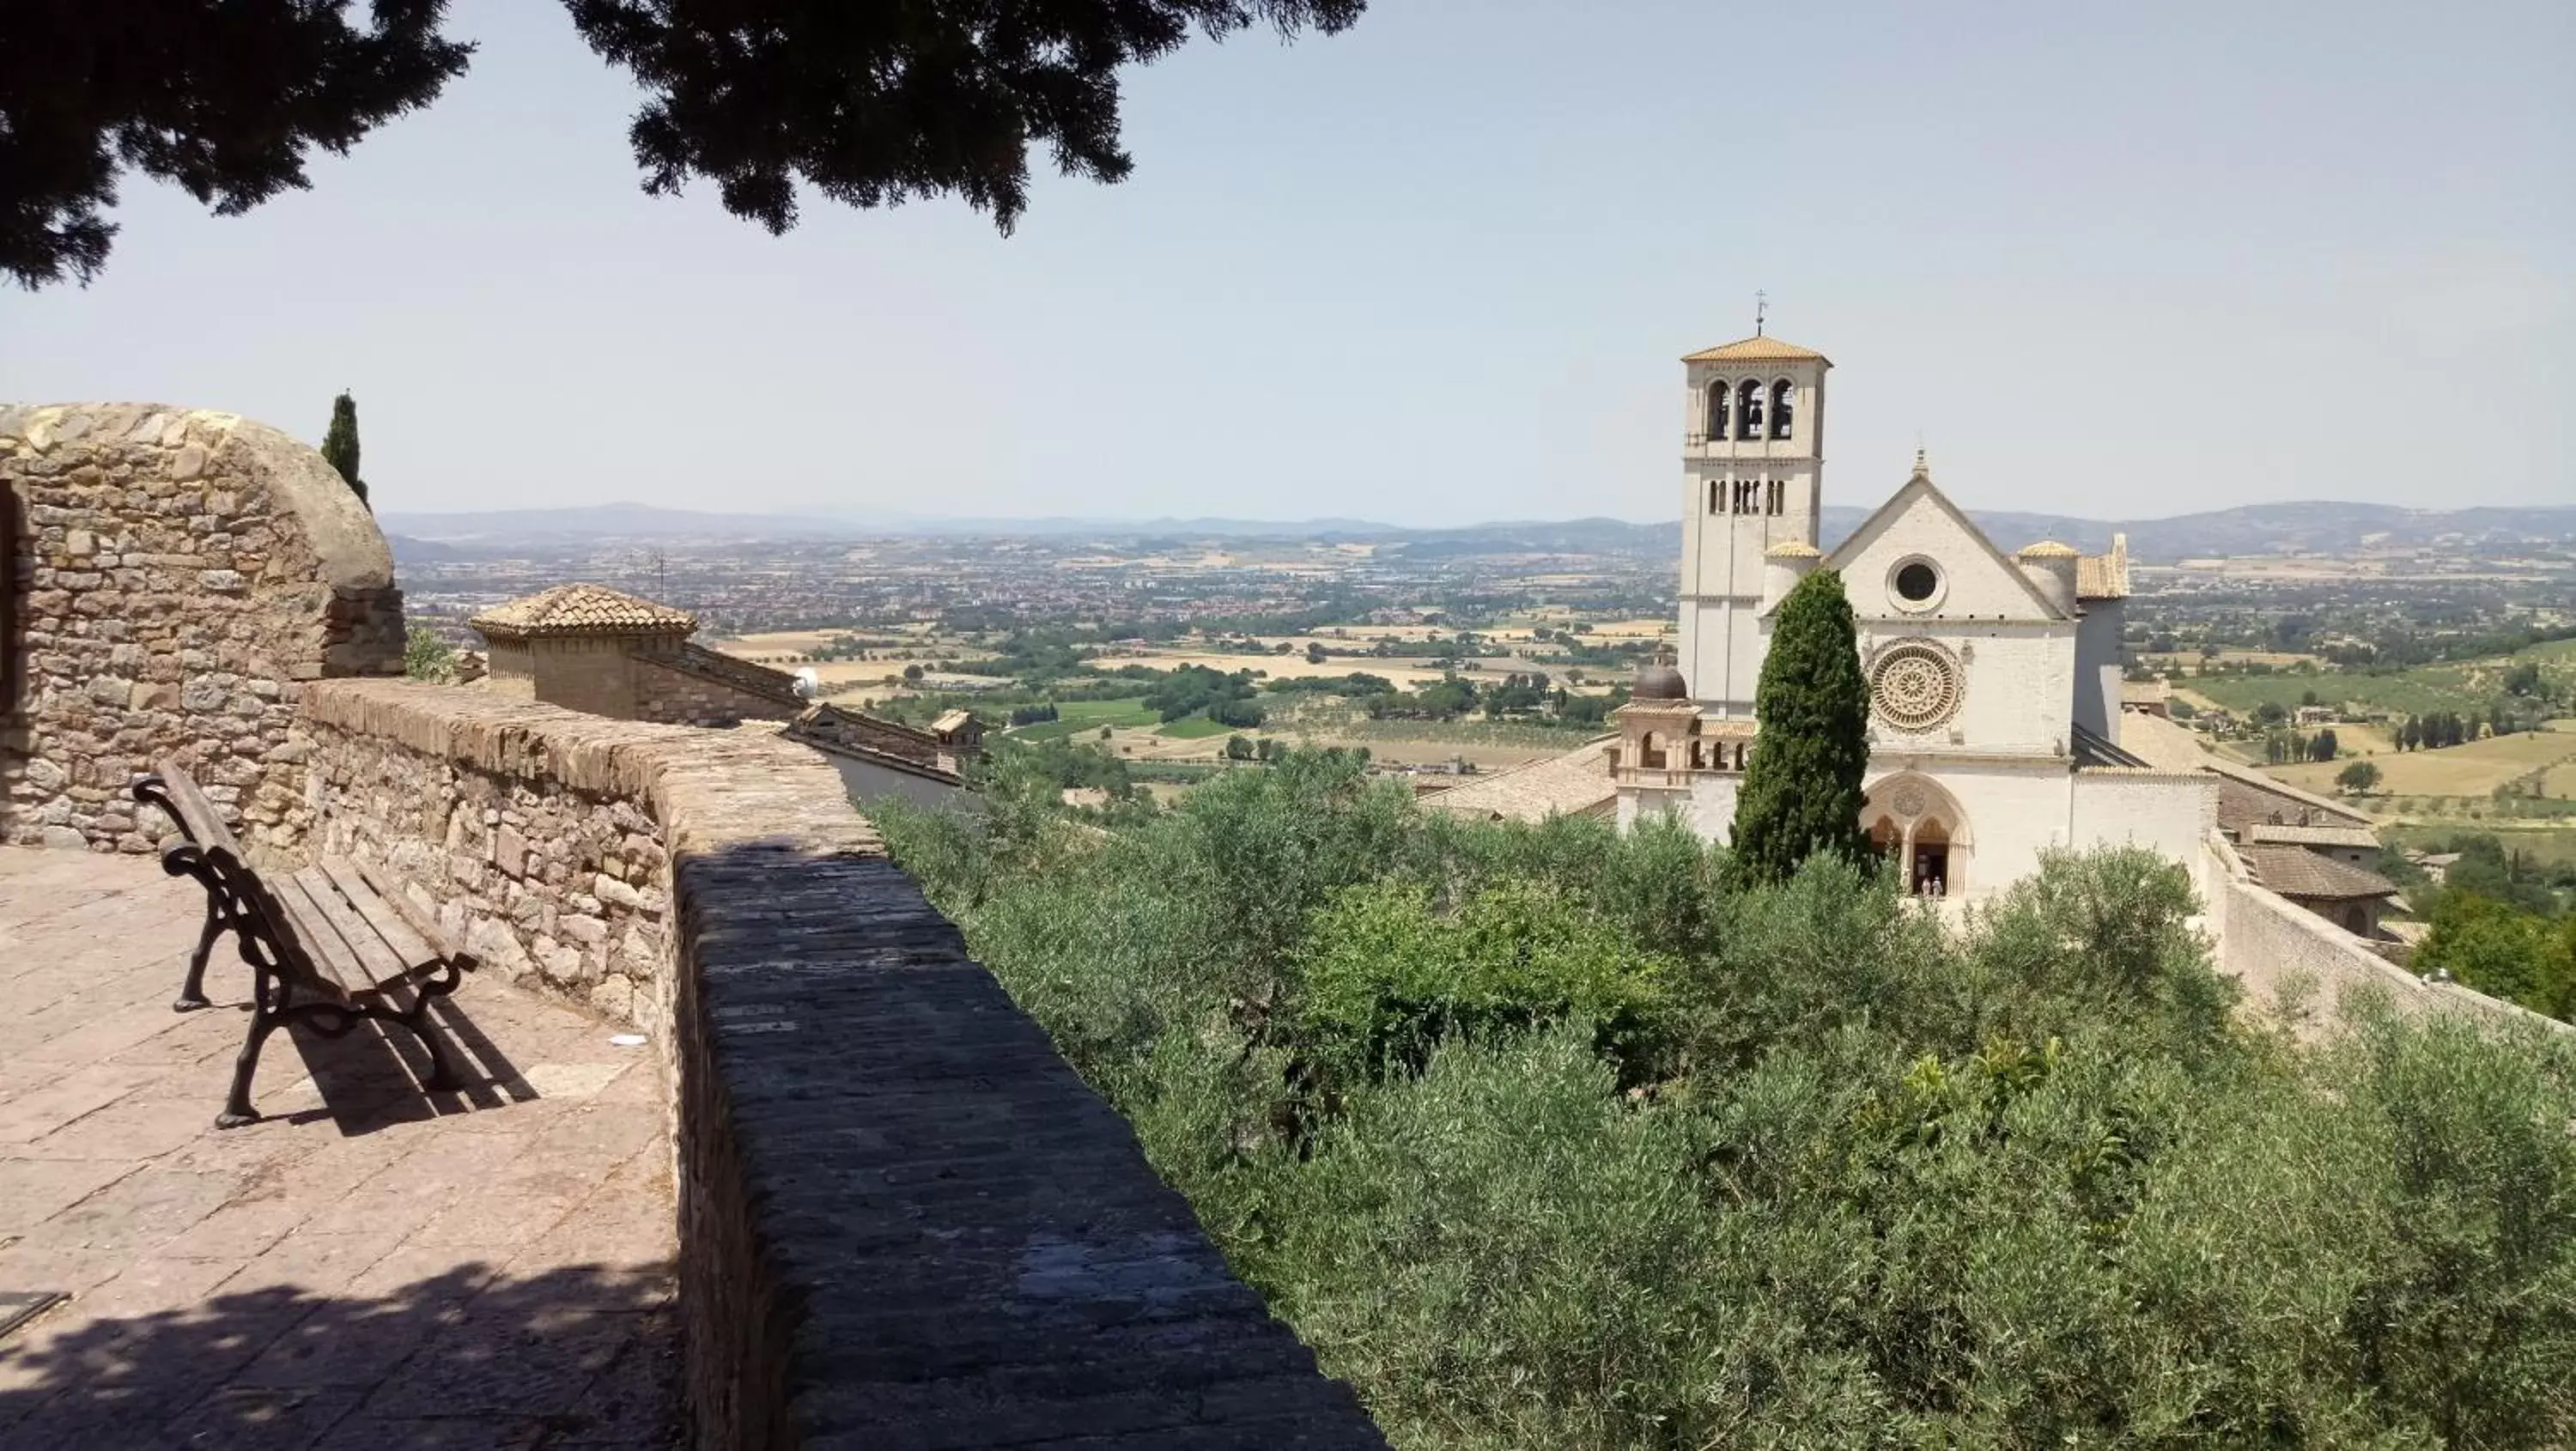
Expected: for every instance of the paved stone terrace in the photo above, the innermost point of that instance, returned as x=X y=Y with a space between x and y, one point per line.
x=369 y=1267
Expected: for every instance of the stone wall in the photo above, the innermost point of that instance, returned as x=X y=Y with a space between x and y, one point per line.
x=2282 y=952
x=535 y=853
x=903 y=1220
x=698 y=686
x=176 y=576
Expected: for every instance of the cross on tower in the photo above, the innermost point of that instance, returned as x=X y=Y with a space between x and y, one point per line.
x=1761 y=306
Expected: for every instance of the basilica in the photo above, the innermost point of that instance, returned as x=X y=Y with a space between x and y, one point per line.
x=1994 y=678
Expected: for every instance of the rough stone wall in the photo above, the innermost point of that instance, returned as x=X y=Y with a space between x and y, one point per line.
x=697 y=686
x=179 y=575
x=548 y=870
x=903 y=1220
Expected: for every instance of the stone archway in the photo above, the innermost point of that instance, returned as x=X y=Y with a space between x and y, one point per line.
x=1921 y=826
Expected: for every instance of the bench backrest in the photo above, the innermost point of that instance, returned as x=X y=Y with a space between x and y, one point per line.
x=199 y=819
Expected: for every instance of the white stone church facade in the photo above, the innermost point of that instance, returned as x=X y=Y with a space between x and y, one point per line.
x=1995 y=679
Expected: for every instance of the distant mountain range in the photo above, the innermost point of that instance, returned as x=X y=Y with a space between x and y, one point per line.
x=2248 y=529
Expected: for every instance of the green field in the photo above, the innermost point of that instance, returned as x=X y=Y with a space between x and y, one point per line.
x=2455 y=685
x=2546 y=846
x=1086 y=717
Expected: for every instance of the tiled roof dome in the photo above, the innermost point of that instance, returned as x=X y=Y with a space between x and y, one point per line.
x=582 y=609
x=1755 y=349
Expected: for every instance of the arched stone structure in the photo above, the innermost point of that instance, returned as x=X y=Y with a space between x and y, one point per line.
x=174 y=575
x=1923 y=829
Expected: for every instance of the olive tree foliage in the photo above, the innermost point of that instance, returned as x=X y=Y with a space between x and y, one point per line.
x=1558 y=1136
x=1801 y=792
x=869 y=102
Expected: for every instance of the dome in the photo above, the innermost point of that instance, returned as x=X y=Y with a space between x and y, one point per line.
x=1659 y=681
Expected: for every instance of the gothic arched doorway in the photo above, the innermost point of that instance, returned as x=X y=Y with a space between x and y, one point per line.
x=1920 y=826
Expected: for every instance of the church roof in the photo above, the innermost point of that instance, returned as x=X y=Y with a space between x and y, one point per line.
x=2050 y=549
x=581 y=609
x=1756 y=349
x=1793 y=549
x=2104 y=576
x=2295 y=871
x=1574 y=784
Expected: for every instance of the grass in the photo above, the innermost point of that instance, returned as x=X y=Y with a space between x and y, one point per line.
x=2473 y=769
x=1196 y=728
x=1086 y=717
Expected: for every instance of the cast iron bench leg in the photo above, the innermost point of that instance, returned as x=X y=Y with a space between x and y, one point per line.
x=237 y=1109
x=442 y=1077
x=192 y=993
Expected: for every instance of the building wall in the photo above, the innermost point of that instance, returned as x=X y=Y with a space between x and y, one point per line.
x=510 y=669
x=903 y=1220
x=865 y=781
x=2013 y=810
x=2166 y=813
x=694 y=686
x=2017 y=678
x=2097 y=668
x=178 y=576
x=593 y=673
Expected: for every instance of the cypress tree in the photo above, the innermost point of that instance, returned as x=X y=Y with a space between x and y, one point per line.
x=1801 y=791
x=340 y=445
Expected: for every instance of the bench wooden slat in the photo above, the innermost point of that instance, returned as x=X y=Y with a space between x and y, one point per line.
x=382 y=962
x=327 y=955
x=382 y=918
x=390 y=892
x=198 y=816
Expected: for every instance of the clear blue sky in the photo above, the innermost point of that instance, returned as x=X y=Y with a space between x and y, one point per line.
x=2129 y=261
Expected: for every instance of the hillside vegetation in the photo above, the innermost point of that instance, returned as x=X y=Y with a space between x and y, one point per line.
x=2459 y=685
x=1547 y=1138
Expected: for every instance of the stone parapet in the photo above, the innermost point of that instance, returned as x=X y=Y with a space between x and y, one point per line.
x=903 y=1220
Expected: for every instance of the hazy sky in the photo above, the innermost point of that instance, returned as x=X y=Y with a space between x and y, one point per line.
x=2117 y=261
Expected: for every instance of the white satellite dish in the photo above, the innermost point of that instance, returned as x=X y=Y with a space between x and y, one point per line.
x=808 y=684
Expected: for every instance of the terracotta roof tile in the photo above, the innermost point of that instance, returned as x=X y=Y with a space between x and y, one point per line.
x=1574 y=784
x=1755 y=349
x=2295 y=871
x=582 y=609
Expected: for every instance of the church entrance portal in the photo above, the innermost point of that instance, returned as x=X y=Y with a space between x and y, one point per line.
x=1916 y=824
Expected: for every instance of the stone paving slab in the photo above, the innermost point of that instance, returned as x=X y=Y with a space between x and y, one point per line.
x=369 y=1267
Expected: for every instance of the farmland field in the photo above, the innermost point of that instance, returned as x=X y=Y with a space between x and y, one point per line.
x=1083 y=717
x=2455 y=685
x=2474 y=769
x=1196 y=728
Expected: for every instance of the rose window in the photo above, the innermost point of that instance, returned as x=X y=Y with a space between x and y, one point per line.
x=1916 y=686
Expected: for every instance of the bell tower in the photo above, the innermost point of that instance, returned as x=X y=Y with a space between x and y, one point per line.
x=1753 y=455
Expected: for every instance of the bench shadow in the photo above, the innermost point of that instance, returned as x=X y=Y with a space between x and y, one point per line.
x=375 y=1075
x=574 y=1355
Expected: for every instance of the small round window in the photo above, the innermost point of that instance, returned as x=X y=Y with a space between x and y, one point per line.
x=1917 y=582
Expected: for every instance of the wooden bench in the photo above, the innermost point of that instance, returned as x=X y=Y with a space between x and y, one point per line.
x=337 y=936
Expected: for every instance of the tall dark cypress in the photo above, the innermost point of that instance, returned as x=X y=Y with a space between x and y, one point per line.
x=340 y=445
x=1801 y=790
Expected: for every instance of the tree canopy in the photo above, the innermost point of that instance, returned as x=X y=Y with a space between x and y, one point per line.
x=1801 y=790
x=869 y=102
x=1560 y=1136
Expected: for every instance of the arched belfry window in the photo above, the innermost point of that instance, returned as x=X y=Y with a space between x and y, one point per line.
x=1716 y=420
x=1780 y=408
x=1748 y=410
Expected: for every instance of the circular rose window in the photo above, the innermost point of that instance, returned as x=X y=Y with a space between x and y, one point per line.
x=1915 y=685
